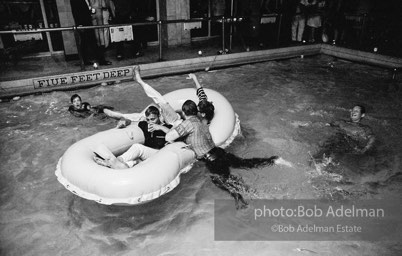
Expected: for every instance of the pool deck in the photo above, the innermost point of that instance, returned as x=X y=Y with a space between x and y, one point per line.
x=54 y=73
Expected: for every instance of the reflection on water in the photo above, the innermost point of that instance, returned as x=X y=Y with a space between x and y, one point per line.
x=281 y=105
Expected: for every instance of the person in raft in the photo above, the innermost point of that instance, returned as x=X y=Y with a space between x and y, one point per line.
x=196 y=134
x=154 y=132
x=206 y=109
x=84 y=109
x=169 y=115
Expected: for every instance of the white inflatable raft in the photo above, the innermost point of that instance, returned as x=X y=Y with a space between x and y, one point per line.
x=149 y=179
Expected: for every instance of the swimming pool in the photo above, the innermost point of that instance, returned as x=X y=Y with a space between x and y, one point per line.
x=282 y=106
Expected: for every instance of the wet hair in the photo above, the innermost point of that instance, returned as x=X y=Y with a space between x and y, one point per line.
x=189 y=108
x=207 y=108
x=362 y=109
x=75 y=96
x=152 y=110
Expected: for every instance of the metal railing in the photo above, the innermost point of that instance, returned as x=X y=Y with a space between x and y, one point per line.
x=224 y=21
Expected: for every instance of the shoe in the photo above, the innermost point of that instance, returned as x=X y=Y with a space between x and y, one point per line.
x=105 y=63
x=119 y=57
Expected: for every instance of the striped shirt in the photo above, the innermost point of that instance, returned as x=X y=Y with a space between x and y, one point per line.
x=197 y=135
x=201 y=94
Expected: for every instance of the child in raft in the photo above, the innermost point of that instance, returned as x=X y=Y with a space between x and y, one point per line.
x=154 y=132
x=84 y=109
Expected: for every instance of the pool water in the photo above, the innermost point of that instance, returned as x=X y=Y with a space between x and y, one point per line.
x=282 y=105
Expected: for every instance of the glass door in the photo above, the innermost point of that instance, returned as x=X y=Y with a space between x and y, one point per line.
x=29 y=15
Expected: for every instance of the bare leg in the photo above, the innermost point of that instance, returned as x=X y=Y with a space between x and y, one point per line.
x=312 y=35
x=114 y=163
x=106 y=158
x=301 y=26
x=151 y=92
x=168 y=113
x=137 y=151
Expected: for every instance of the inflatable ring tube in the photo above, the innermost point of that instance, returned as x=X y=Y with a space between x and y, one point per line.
x=224 y=122
x=149 y=179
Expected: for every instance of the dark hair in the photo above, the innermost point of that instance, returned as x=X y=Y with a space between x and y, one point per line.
x=75 y=96
x=207 y=108
x=362 y=109
x=189 y=108
x=152 y=110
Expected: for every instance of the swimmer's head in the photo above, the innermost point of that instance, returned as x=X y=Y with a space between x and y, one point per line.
x=357 y=113
x=152 y=115
x=206 y=109
x=76 y=101
x=189 y=108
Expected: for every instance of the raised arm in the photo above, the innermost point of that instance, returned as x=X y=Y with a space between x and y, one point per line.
x=200 y=90
x=192 y=76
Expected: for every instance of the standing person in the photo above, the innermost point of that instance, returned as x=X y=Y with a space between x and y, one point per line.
x=338 y=21
x=124 y=13
x=299 y=21
x=314 y=19
x=154 y=132
x=91 y=54
x=144 y=11
x=197 y=136
x=104 y=11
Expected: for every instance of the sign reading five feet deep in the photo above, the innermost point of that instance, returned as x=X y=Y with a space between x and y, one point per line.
x=82 y=77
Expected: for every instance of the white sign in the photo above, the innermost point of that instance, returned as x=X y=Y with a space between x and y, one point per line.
x=122 y=33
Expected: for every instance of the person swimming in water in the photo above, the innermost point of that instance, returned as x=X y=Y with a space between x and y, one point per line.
x=84 y=109
x=218 y=161
x=352 y=145
x=359 y=138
